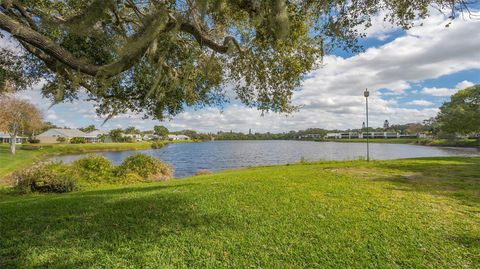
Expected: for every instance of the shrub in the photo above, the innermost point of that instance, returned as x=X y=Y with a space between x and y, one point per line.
x=77 y=140
x=34 y=141
x=45 y=177
x=145 y=166
x=94 y=168
x=157 y=145
x=61 y=139
x=201 y=172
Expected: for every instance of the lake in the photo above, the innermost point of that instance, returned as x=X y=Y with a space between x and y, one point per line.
x=188 y=158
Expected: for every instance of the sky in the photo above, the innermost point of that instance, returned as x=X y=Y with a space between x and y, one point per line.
x=409 y=75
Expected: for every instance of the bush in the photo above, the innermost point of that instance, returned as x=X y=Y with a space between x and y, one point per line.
x=145 y=166
x=34 y=141
x=94 y=168
x=61 y=139
x=77 y=140
x=157 y=145
x=45 y=177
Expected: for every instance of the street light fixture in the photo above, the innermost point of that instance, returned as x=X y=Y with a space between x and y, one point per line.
x=366 y=93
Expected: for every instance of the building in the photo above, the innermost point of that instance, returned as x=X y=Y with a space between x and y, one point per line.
x=150 y=137
x=386 y=124
x=385 y=135
x=349 y=135
x=178 y=137
x=135 y=137
x=52 y=135
x=310 y=136
x=96 y=136
x=5 y=138
x=352 y=135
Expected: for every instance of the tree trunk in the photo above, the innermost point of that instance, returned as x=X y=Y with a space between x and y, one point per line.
x=13 y=143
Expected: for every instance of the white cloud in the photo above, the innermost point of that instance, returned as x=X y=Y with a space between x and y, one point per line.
x=447 y=91
x=439 y=91
x=380 y=28
x=464 y=84
x=420 y=103
x=51 y=115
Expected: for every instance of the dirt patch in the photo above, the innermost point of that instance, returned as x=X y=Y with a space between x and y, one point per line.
x=358 y=172
x=375 y=173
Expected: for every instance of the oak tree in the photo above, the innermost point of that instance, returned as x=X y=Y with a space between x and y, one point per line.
x=158 y=56
x=462 y=113
x=161 y=131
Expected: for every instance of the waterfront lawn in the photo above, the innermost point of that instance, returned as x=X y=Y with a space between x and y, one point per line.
x=9 y=162
x=418 y=213
x=24 y=158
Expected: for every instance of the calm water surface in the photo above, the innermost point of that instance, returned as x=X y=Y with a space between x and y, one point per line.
x=188 y=158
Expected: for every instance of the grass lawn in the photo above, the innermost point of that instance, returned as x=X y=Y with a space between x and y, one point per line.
x=417 y=213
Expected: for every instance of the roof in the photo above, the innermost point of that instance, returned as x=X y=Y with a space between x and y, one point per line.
x=179 y=136
x=63 y=132
x=5 y=135
x=97 y=133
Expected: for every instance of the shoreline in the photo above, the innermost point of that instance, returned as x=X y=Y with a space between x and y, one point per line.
x=26 y=157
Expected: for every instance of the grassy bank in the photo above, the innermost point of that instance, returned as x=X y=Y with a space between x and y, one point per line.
x=418 y=213
x=24 y=158
x=426 y=142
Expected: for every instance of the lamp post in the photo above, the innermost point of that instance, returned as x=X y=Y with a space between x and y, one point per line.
x=366 y=93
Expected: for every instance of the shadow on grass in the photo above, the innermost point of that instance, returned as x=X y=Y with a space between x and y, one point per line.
x=457 y=178
x=70 y=231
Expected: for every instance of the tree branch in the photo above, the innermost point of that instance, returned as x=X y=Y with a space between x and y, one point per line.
x=137 y=45
x=205 y=41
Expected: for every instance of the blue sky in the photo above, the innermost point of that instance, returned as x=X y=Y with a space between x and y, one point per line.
x=409 y=73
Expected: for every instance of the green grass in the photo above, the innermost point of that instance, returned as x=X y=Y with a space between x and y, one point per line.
x=24 y=158
x=417 y=213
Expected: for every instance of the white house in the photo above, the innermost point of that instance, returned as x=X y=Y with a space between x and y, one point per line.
x=52 y=135
x=5 y=138
x=135 y=137
x=178 y=137
x=95 y=136
x=149 y=137
x=310 y=136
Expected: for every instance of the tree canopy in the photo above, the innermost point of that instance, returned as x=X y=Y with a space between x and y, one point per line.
x=462 y=113
x=160 y=130
x=88 y=129
x=158 y=56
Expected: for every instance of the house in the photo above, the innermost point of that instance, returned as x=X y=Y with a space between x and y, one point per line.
x=52 y=135
x=95 y=136
x=178 y=137
x=333 y=135
x=349 y=135
x=135 y=137
x=150 y=137
x=5 y=138
x=310 y=136
x=352 y=135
